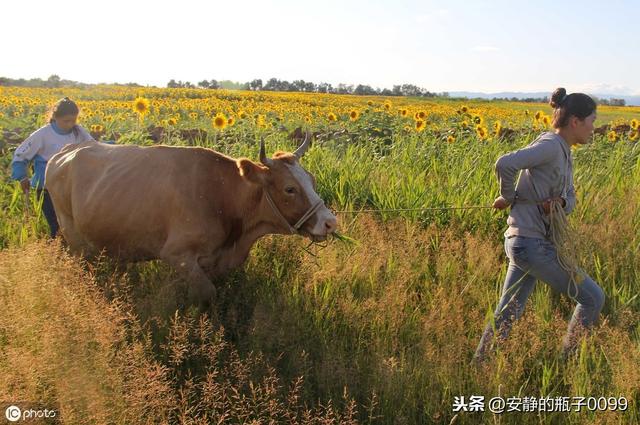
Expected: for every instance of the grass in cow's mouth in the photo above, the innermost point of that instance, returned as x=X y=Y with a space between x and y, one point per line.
x=343 y=238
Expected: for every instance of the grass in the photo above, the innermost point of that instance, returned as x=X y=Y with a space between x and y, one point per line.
x=381 y=324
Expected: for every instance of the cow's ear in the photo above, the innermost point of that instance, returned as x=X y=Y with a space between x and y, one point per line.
x=251 y=171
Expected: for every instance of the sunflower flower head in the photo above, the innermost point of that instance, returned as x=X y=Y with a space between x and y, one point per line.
x=219 y=121
x=141 y=106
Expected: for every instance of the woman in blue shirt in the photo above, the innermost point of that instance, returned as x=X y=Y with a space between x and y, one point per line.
x=41 y=145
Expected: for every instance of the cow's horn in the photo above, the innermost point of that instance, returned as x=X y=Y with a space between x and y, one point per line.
x=263 y=156
x=303 y=147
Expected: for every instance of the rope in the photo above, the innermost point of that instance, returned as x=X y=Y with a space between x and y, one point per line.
x=564 y=238
x=468 y=207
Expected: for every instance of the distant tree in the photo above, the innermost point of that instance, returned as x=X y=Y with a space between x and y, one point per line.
x=324 y=88
x=344 y=89
x=364 y=90
x=172 y=84
x=204 y=84
x=386 y=92
x=53 y=81
x=256 y=84
x=213 y=84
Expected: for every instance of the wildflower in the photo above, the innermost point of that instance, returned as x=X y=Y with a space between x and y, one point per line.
x=220 y=121
x=481 y=132
x=141 y=106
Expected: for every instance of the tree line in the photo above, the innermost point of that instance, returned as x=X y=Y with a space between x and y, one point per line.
x=274 y=84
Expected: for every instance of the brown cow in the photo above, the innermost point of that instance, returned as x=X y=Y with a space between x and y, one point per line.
x=196 y=209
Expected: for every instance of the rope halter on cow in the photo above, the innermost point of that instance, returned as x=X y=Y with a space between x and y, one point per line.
x=295 y=229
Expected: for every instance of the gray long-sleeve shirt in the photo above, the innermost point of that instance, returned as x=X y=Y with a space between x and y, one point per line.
x=547 y=172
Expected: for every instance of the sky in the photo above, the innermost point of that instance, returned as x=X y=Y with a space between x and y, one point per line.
x=480 y=46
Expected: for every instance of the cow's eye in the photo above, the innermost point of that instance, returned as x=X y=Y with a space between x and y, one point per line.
x=290 y=190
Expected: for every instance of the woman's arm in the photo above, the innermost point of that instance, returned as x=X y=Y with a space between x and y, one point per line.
x=570 y=199
x=23 y=154
x=508 y=165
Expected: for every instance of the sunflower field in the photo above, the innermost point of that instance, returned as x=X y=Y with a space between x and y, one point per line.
x=378 y=325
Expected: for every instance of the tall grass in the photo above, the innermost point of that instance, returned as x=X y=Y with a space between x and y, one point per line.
x=389 y=322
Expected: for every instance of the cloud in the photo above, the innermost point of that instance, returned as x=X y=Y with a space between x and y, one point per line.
x=424 y=18
x=485 y=49
x=605 y=88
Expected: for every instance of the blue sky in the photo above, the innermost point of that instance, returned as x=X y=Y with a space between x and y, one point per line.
x=484 y=46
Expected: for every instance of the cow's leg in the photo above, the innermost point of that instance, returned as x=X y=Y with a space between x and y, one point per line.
x=76 y=243
x=201 y=290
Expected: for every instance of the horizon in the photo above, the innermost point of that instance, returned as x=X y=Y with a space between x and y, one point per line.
x=439 y=46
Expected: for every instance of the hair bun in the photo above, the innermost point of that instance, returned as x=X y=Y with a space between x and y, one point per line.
x=558 y=96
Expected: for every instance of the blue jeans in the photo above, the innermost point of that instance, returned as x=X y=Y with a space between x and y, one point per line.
x=532 y=259
x=49 y=213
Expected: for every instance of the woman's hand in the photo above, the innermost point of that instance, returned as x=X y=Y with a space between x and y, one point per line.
x=24 y=184
x=500 y=203
x=546 y=205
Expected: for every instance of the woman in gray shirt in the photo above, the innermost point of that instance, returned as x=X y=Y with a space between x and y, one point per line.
x=546 y=175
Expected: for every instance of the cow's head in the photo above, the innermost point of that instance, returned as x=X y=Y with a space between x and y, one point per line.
x=291 y=191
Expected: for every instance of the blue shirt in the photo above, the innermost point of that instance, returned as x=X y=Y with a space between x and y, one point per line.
x=39 y=147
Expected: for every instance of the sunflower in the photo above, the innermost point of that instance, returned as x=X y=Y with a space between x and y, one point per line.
x=538 y=115
x=387 y=105
x=464 y=109
x=546 y=120
x=420 y=125
x=477 y=120
x=231 y=121
x=332 y=116
x=193 y=115
x=422 y=115
x=497 y=126
x=353 y=115
x=242 y=115
x=450 y=139
x=612 y=136
x=369 y=102
x=141 y=106
x=464 y=124
x=635 y=124
x=219 y=121
x=634 y=135
x=481 y=132
x=172 y=121
x=403 y=112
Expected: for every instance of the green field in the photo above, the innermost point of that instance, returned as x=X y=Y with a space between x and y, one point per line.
x=380 y=326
